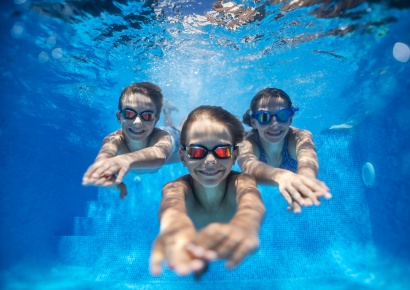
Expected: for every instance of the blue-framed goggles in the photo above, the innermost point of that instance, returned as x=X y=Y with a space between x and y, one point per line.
x=282 y=115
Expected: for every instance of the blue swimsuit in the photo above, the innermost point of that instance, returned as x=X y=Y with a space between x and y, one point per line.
x=288 y=162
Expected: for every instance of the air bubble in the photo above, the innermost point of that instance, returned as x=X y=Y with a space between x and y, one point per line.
x=43 y=57
x=18 y=29
x=368 y=175
x=57 y=53
x=401 y=52
x=52 y=40
x=67 y=10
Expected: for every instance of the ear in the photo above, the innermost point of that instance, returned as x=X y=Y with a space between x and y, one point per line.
x=253 y=123
x=118 y=114
x=182 y=156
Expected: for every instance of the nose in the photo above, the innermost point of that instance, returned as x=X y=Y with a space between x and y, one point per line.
x=137 y=120
x=210 y=159
x=274 y=121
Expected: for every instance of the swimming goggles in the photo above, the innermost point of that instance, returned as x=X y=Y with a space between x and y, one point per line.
x=130 y=114
x=282 y=115
x=200 y=152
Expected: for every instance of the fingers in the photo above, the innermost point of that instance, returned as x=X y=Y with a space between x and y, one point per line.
x=286 y=196
x=102 y=181
x=225 y=242
x=295 y=207
x=102 y=170
x=309 y=196
x=201 y=253
x=293 y=204
x=156 y=258
x=295 y=196
x=228 y=246
x=206 y=241
x=88 y=173
x=243 y=250
x=182 y=262
x=178 y=258
x=210 y=236
x=105 y=168
x=303 y=191
x=93 y=177
x=179 y=261
x=318 y=187
x=121 y=175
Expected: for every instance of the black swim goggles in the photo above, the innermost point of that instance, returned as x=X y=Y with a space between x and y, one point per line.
x=200 y=152
x=130 y=114
x=282 y=115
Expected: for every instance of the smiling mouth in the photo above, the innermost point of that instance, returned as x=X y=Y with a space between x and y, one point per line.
x=210 y=172
x=136 y=132
x=275 y=133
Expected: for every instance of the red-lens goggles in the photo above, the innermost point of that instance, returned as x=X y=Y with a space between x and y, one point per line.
x=200 y=152
x=130 y=114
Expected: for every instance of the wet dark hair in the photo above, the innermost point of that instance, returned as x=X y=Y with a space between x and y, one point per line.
x=144 y=88
x=265 y=93
x=217 y=114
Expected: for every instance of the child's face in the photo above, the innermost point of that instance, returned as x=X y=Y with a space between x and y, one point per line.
x=210 y=170
x=274 y=131
x=136 y=128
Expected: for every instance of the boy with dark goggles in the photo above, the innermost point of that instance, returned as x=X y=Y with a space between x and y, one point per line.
x=131 y=114
x=282 y=115
x=119 y=152
x=200 y=152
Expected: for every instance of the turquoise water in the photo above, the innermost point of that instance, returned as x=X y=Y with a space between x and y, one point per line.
x=63 y=67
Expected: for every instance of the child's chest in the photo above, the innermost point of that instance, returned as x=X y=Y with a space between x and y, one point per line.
x=202 y=217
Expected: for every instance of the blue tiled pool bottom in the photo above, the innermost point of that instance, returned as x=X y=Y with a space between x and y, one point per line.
x=326 y=245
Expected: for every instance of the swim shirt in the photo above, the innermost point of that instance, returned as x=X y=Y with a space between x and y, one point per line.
x=288 y=162
x=175 y=136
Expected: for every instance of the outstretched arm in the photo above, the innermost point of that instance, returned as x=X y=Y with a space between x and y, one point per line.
x=176 y=231
x=109 y=149
x=308 y=164
x=240 y=237
x=107 y=165
x=298 y=190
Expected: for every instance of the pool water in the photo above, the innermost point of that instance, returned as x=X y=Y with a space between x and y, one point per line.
x=63 y=67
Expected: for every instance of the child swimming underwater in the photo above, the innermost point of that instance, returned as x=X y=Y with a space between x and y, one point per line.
x=138 y=146
x=213 y=212
x=274 y=151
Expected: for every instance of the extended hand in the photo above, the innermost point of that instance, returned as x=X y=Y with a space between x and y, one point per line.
x=224 y=241
x=100 y=172
x=171 y=247
x=299 y=190
x=110 y=183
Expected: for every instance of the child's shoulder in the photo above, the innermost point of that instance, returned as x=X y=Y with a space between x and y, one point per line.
x=159 y=132
x=296 y=134
x=181 y=185
x=296 y=131
x=157 y=135
x=240 y=176
x=115 y=136
x=185 y=179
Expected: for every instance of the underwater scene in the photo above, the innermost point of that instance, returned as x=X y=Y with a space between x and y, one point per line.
x=64 y=64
